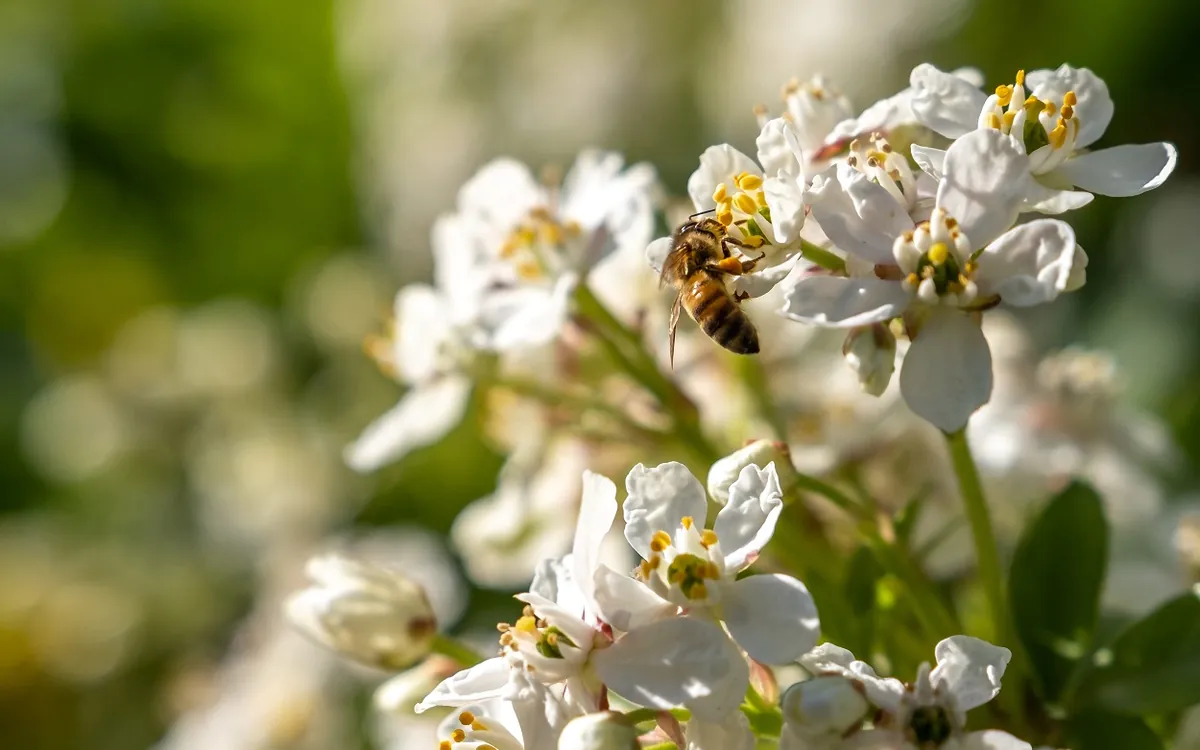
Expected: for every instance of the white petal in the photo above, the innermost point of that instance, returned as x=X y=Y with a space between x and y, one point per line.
x=969 y=668
x=944 y=102
x=1079 y=266
x=422 y=417
x=1093 y=105
x=785 y=198
x=1122 y=170
x=626 y=603
x=423 y=321
x=658 y=499
x=746 y=523
x=827 y=657
x=779 y=151
x=484 y=681
x=657 y=252
x=731 y=734
x=540 y=713
x=1047 y=200
x=773 y=617
x=718 y=164
x=859 y=216
x=759 y=283
x=930 y=160
x=501 y=192
x=992 y=739
x=838 y=302
x=986 y=179
x=529 y=316
x=596 y=513
x=947 y=372
x=1029 y=264
x=677 y=662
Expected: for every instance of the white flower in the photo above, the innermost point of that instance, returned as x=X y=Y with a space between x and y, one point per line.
x=929 y=712
x=1066 y=111
x=372 y=615
x=732 y=733
x=812 y=109
x=532 y=243
x=771 y=617
x=871 y=353
x=826 y=705
x=726 y=471
x=761 y=207
x=600 y=731
x=938 y=274
x=478 y=726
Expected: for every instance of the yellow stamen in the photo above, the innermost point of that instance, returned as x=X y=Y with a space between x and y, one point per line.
x=1020 y=77
x=687 y=522
x=745 y=203
x=479 y=726
x=994 y=121
x=529 y=270
x=748 y=182
x=939 y=253
x=1068 y=112
x=708 y=538
x=912 y=279
x=526 y=624
x=1058 y=136
x=1008 y=119
x=458 y=735
x=445 y=745
x=1069 y=99
x=1050 y=108
x=753 y=241
x=1004 y=94
x=660 y=541
x=725 y=217
x=697 y=591
x=466 y=718
x=719 y=194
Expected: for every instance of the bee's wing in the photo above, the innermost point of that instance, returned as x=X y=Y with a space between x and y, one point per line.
x=673 y=325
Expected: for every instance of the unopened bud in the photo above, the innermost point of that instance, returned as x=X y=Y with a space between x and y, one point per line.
x=366 y=613
x=871 y=353
x=824 y=704
x=757 y=453
x=602 y=731
x=399 y=694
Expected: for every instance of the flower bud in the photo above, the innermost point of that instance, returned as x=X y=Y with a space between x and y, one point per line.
x=399 y=694
x=757 y=453
x=824 y=704
x=871 y=353
x=369 y=614
x=602 y=731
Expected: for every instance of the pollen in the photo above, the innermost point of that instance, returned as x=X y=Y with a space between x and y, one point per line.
x=445 y=745
x=708 y=538
x=458 y=735
x=687 y=522
x=748 y=182
x=466 y=718
x=1069 y=99
x=912 y=279
x=745 y=203
x=660 y=541
x=939 y=253
x=526 y=624
x=1068 y=112
x=753 y=242
x=725 y=217
x=720 y=194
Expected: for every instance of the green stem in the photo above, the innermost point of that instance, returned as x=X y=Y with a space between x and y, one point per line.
x=816 y=486
x=981 y=528
x=754 y=377
x=822 y=257
x=455 y=649
x=579 y=402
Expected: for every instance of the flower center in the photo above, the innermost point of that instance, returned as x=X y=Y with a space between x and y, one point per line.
x=530 y=632
x=682 y=568
x=885 y=167
x=745 y=209
x=537 y=245
x=1048 y=129
x=930 y=726
x=469 y=724
x=935 y=258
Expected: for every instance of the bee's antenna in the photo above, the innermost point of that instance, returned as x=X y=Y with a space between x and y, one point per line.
x=701 y=213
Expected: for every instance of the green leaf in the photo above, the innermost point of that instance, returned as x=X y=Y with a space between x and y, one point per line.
x=1055 y=583
x=1099 y=730
x=1152 y=667
x=862 y=575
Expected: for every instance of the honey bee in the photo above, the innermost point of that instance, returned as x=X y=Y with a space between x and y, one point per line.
x=697 y=267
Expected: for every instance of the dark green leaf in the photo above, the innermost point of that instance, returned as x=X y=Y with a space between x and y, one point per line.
x=1098 y=730
x=1054 y=585
x=1154 y=666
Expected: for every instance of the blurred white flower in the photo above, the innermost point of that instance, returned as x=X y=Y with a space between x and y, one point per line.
x=1067 y=111
x=369 y=614
x=599 y=731
x=726 y=471
x=870 y=352
x=74 y=428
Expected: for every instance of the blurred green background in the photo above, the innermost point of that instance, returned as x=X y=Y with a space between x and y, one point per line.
x=205 y=206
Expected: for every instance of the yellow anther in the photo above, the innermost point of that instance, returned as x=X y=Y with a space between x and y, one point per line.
x=660 y=541
x=1058 y=136
x=487 y=747
x=725 y=217
x=529 y=270
x=466 y=718
x=1050 y=108
x=697 y=591
x=458 y=735
x=573 y=228
x=479 y=726
x=745 y=203
x=761 y=197
x=908 y=235
x=753 y=242
x=1004 y=94
x=912 y=279
x=708 y=538
x=687 y=522
x=550 y=234
x=526 y=624
x=1008 y=119
x=445 y=745
x=1069 y=99
x=994 y=121
x=711 y=571
x=719 y=194
x=877 y=156
x=927 y=272
x=1068 y=112
x=951 y=222
x=725 y=205
x=746 y=181
x=939 y=253
x=1020 y=77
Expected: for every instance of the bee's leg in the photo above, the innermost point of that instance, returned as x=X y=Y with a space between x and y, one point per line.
x=747 y=265
x=741 y=296
x=733 y=266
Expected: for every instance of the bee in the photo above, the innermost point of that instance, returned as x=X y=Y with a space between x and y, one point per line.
x=697 y=267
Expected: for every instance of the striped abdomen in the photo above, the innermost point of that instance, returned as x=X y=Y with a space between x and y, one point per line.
x=719 y=315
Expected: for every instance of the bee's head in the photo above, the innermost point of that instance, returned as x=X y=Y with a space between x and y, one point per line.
x=704 y=222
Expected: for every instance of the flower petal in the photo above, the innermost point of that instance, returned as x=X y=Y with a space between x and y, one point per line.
x=859 y=216
x=677 y=662
x=540 y=713
x=969 y=668
x=779 y=150
x=422 y=417
x=986 y=179
x=772 y=617
x=657 y=252
x=1093 y=105
x=785 y=198
x=930 y=160
x=945 y=102
x=658 y=499
x=1122 y=170
x=528 y=316
x=827 y=657
x=839 y=302
x=731 y=734
x=755 y=285
x=484 y=681
x=1029 y=264
x=501 y=193
x=746 y=523
x=596 y=513
x=1047 y=200
x=947 y=372
x=625 y=603
x=718 y=164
